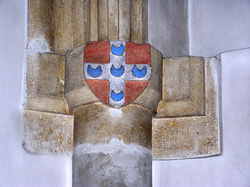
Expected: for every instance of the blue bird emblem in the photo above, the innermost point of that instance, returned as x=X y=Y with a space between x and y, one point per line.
x=117 y=50
x=117 y=72
x=139 y=73
x=94 y=72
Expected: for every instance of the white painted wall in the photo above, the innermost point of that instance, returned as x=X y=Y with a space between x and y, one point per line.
x=232 y=168
x=18 y=168
x=168 y=26
x=217 y=26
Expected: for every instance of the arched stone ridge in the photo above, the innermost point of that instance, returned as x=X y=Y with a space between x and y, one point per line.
x=97 y=123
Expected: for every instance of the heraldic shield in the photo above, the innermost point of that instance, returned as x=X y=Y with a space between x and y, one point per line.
x=117 y=72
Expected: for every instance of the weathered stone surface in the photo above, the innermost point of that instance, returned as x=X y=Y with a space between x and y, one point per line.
x=62 y=35
x=60 y=25
x=190 y=137
x=86 y=21
x=113 y=19
x=183 y=87
x=50 y=26
x=103 y=20
x=77 y=91
x=97 y=123
x=152 y=95
x=40 y=26
x=93 y=20
x=80 y=31
x=45 y=83
x=114 y=164
x=46 y=133
x=124 y=20
x=139 y=21
x=48 y=104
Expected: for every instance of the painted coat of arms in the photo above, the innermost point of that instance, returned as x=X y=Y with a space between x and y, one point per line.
x=117 y=72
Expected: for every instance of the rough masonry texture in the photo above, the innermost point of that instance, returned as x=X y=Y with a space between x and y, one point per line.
x=98 y=123
x=47 y=133
x=196 y=136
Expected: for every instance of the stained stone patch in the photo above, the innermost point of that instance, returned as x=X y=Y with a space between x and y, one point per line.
x=75 y=83
x=46 y=133
x=113 y=164
x=97 y=123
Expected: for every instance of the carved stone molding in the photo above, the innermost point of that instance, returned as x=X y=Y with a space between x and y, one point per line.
x=46 y=133
x=182 y=87
x=196 y=136
x=47 y=126
x=45 y=83
x=60 y=25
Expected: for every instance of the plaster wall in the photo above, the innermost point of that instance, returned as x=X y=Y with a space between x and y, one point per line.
x=218 y=26
x=168 y=26
x=232 y=168
x=17 y=167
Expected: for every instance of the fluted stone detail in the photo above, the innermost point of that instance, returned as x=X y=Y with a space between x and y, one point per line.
x=60 y=25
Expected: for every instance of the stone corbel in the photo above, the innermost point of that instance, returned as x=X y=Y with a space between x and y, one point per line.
x=48 y=127
x=54 y=27
x=187 y=124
